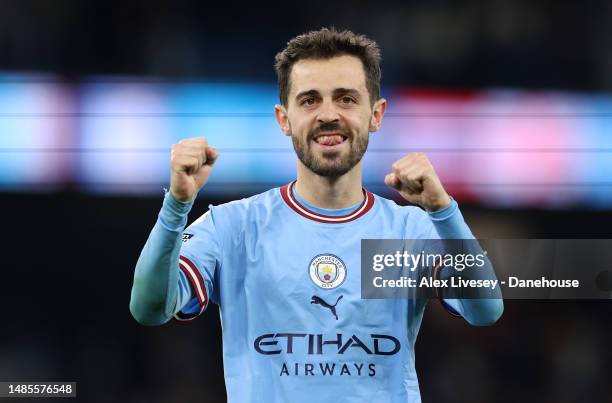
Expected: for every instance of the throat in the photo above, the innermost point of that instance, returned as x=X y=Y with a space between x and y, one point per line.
x=322 y=205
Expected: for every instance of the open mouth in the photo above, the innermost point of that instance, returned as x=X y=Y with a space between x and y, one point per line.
x=330 y=140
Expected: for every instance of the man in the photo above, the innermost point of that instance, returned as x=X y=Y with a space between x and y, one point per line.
x=283 y=266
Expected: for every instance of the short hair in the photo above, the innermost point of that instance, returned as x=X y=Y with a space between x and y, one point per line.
x=324 y=44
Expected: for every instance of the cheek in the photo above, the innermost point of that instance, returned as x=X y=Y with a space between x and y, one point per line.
x=360 y=121
x=299 y=125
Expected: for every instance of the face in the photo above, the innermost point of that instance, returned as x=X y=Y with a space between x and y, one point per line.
x=329 y=115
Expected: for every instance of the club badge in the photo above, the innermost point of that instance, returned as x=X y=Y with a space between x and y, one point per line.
x=327 y=271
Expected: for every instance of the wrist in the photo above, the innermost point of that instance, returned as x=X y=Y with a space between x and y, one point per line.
x=438 y=204
x=177 y=206
x=445 y=213
x=180 y=197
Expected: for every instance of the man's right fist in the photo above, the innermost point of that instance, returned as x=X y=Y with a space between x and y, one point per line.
x=190 y=166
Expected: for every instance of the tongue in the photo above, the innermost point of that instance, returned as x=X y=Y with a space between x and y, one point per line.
x=329 y=140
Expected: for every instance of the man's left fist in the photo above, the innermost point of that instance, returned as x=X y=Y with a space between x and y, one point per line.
x=415 y=179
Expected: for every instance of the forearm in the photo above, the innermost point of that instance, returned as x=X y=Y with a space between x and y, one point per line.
x=486 y=306
x=156 y=277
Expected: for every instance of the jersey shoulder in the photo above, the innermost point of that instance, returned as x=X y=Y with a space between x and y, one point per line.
x=240 y=209
x=237 y=212
x=415 y=221
x=390 y=207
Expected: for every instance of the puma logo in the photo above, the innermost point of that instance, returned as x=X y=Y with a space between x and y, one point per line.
x=320 y=301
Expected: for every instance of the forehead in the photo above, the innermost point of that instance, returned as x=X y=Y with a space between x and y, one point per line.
x=326 y=74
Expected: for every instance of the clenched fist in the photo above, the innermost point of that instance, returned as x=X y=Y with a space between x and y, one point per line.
x=415 y=179
x=191 y=163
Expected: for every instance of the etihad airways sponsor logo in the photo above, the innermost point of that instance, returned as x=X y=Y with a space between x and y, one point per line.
x=318 y=344
x=328 y=369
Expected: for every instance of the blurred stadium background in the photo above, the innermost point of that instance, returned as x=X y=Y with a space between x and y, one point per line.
x=511 y=100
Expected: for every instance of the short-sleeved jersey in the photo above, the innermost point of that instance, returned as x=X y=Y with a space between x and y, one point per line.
x=287 y=280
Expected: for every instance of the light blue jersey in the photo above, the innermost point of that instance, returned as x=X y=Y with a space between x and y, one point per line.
x=286 y=277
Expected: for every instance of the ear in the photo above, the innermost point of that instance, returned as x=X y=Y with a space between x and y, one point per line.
x=283 y=120
x=378 y=112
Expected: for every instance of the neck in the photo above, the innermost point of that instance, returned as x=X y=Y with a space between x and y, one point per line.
x=329 y=193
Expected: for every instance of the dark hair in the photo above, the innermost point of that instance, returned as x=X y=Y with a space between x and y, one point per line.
x=326 y=43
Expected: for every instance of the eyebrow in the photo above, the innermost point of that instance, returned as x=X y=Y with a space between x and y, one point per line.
x=346 y=91
x=309 y=93
x=335 y=93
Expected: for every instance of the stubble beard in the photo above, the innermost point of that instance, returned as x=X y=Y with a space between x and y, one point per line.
x=332 y=164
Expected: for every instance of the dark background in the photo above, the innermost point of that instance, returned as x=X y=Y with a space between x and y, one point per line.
x=68 y=257
x=519 y=43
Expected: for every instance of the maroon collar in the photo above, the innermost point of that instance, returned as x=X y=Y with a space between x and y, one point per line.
x=364 y=207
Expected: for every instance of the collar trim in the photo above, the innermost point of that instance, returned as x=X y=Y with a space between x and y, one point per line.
x=364 y=207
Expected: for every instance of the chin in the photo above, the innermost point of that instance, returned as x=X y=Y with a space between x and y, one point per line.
x=331 y=171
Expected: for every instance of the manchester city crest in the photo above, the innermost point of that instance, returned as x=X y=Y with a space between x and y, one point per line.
x=327 y=271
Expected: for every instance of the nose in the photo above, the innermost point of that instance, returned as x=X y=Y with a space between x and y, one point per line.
x=327 y=112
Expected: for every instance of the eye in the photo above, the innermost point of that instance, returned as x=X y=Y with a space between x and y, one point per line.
x=347 y=100
x=308 y=101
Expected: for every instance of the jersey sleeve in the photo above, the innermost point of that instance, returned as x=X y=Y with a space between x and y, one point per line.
x=449 y=223
x=199 y=263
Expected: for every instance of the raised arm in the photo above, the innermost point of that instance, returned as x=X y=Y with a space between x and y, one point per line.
x=414 y=177
x=160 y=289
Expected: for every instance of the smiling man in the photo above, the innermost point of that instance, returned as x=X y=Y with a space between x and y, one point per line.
x=284 y=265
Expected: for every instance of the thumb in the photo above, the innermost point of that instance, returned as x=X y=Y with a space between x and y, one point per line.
x=393 y=181
x=211 y=155
x=201 y=176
